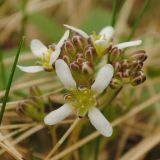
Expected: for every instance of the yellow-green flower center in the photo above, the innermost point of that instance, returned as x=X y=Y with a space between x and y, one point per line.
x=82 y=100
x=45 y=60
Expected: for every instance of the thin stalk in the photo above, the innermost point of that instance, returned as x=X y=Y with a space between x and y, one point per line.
x=138 y=19
x=113 y=21
x=24 y=17
x=10 y=80
x=3 y=75
x=97 y=145
x=63 y=138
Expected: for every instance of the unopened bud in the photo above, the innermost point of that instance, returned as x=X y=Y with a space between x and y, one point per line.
x=115 y=83
x=117 y=66
x=66 y=58
x=90 y=53
x=119 y=75
x=114 y=54
x=75 y=66
x=126 y=73
x=136 y=65
x=69 y=47
x=139 y=55
x=87 y=67
x=78 y=42
x=125 y=64
x=138 y=78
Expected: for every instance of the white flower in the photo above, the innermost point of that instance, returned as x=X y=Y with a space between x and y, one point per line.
x=105 y=36
x=47 y=56
x=82 y=100
x=100 y=41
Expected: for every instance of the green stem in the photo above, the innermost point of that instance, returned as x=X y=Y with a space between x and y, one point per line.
x=113 y=21
x=97 y=143
x=3 y=75
x=10 y=80
x=24 y=17
x=138 y=19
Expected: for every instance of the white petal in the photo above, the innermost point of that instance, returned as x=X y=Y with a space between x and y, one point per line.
x=54 y=56
x=107 y=32
x=101 y=42
x=30 y=69
x=103 y=78
x=79 y=31
x=64 y=74
x=58 y=115
x=100 y=122
x=128 y=44
x=38 y=48
x=61 y=42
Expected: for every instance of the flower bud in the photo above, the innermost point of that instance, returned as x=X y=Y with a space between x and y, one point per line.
x=114 y=54
x=119 y=75
x=136 y=65
x=117 y=66
x=75 y=66
x=115 y=83
x=139 y=55
x=80 y=60
x=90 y=53
x=125 y=64
x=138 y=78
x=66 y=58
x=78 y=42
x=126 y=73
x=69 y=48
x=87 y=67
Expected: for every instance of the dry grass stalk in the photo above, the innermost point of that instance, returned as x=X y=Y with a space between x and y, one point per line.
x=143 y=147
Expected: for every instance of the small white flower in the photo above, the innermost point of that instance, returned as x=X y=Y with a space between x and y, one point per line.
x=102 y=40
x=82 y=100
x=47 y=56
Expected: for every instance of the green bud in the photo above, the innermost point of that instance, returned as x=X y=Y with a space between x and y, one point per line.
x=116 y=83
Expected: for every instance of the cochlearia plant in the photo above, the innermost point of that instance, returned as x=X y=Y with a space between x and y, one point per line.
x=92 y=68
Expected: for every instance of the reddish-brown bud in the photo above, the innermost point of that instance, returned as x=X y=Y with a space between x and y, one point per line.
x=114 y=54
x=139 y=55
x=69 y=47
x=126 y=73
x=138 y=78
x=78 y=42
x=125 y=64
x=87 y=67
x=90 y=53
x=117 y=66
x=75 y=66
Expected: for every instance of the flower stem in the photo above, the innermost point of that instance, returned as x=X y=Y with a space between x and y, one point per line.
x=10 y=80
x=63 y=138
x=138 y=19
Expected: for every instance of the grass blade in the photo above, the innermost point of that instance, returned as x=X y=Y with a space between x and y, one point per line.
x=138 y=19
x=3 y=75
x=113 y=21
x=10 y=80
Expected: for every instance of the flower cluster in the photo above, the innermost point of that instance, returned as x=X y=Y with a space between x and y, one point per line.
x=78 y=60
